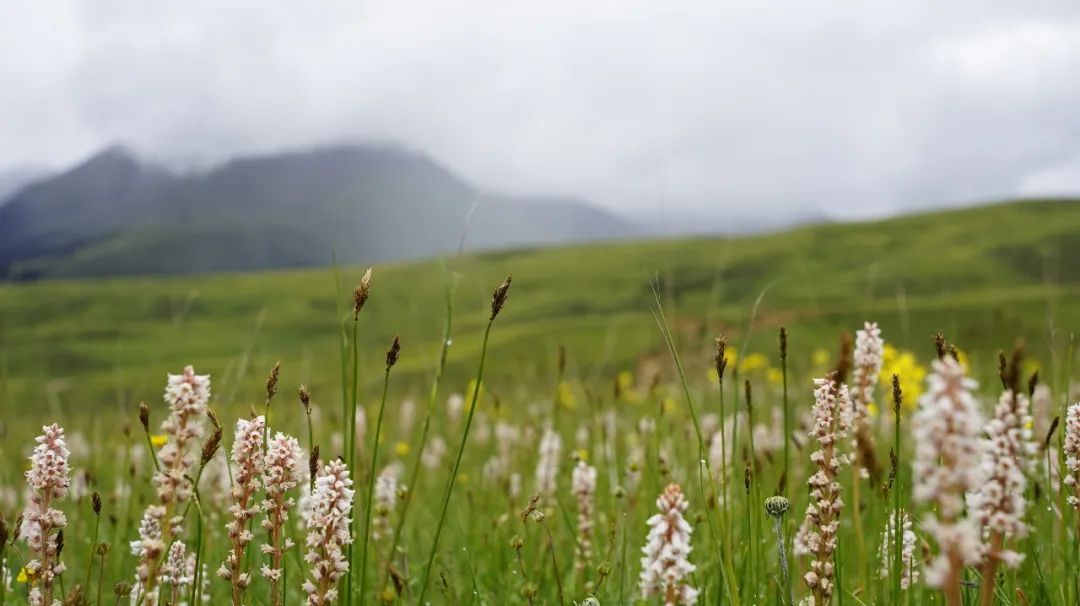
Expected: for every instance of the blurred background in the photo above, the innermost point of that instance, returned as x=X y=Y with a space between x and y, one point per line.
x=203 y=182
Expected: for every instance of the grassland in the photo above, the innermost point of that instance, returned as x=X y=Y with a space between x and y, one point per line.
x=85 y=352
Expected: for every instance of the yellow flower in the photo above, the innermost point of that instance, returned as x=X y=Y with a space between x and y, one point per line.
x=754 y=362
x=872 y=409
x=669 y=405
x=565 y=396
x=774 y=376
x=625 y=381
x=158 y=440
x=821 y=357
x=581 y=454
x=401 y=448
x=22 y=578
x=463 y=478
x=469 y=393
x=911 y=373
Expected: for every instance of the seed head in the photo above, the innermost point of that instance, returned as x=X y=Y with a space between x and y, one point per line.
x=3 y=533
x=498 y=298
x=721 y=357
x=776 y=506
x=211 y=446
x=360 y=293
x=843 y=360
x=313 y=463
x=144 y=415
x=213 y=418
x=393 y=353
x=122 y=589
x=783 y=345
x=272 y=380
x=940 y=345
x=305 y=397
x=59 y=543
x=897 y=395
x=95 y=503
x=1033 y=382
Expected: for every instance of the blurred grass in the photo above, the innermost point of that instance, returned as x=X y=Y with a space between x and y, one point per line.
x=981 y=275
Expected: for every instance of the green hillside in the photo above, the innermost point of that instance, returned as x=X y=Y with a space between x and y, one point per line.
x=977 y=274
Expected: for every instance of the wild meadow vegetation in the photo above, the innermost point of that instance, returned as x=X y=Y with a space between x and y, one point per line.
x=867 y=414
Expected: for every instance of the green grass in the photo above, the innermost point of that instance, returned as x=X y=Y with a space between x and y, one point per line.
x=85 y=352
x=982 y=275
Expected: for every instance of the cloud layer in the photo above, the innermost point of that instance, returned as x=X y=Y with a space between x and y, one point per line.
x=852 y=108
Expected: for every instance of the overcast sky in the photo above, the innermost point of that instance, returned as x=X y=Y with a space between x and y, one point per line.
x=854 y=108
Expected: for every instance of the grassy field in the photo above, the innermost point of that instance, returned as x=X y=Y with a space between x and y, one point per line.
x=84 y=353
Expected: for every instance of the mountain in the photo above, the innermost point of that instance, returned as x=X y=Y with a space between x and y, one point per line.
x=14 y=179
x=117 y=215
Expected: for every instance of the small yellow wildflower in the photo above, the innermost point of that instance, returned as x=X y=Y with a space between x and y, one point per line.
x=625 y=381
x=469 y=395
x=669 y=405
x=463 y=478
x=821 y=357
x=401 y=448
x=774 y=376
x=566 y=397
x=754 y=362
x=581 y=454
x=912 y=374
x=158 y=440
x=22 y=578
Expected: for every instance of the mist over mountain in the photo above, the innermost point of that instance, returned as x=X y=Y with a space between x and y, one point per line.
x=116 y=214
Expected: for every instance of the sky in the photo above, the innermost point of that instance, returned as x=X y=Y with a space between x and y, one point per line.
x=845 y=108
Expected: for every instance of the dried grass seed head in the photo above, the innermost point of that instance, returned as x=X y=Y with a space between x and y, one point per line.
x=361 y=293
x=498 y=298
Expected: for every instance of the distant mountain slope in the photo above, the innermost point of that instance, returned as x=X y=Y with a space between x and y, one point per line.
x=114 y=215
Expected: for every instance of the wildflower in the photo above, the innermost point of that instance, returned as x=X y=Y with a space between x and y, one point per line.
x=42 y=525
x=401 y=448
x=903 y=364
x=754 y=362
x=178 y=571
x=583 y=484
x=328 y=533
x=283 y=470
x=868 y=361
x=946 y=466
x=909 y=567
x=247 y=458
x=817 y=535
x=1072 y=453
x=187 y=395
x=547 y=466
x=999 y=504
x=433 y=452
x=158 y=440
x=386 y=492
x=665 y=566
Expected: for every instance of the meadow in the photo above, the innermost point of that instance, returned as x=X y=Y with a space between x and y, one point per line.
x=600 y=387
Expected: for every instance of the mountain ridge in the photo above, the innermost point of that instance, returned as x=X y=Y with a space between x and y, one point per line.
x=350 y=202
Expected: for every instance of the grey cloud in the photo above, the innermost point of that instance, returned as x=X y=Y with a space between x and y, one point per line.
x=850 y=108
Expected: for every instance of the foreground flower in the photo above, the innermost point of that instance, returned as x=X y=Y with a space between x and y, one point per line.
x=864 y=377
x=999 y=504
x=48 y=480
x=1072 y=455
x=247 y=458
x=328 y=533
x=283 y=470
x=817 y=536
x=187 y=395
x=665 y=566
x=946 y=467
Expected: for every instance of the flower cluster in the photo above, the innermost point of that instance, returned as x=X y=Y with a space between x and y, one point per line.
x=832 y=417
x=583 y=484
x=547 y=466
x=328 y=533
x=386 y=493
x=187 y=395
x=868 y=358
x=48 y=479
x=947 y=465
x=283 y=470
x=999 y=504
x=1072 y=452
x=247 y=458
x=148 y=548
x=178 y=571
x=909 y=566
x=666 y=565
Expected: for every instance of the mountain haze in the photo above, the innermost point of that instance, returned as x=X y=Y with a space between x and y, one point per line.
x=115 y=214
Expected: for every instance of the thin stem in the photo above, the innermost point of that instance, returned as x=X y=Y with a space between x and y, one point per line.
x=350 y=444
x=371 y=488
x=429 y=413
x=554 y=562
x=457 y=464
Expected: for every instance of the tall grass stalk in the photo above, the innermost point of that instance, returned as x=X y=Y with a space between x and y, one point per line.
x=498 y=299
x=391 y=359
x=433 y=395
x=360 y=296
x=898 y=535
x=665 y=331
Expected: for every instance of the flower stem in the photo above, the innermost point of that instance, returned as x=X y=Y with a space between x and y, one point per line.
x=371 y=488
